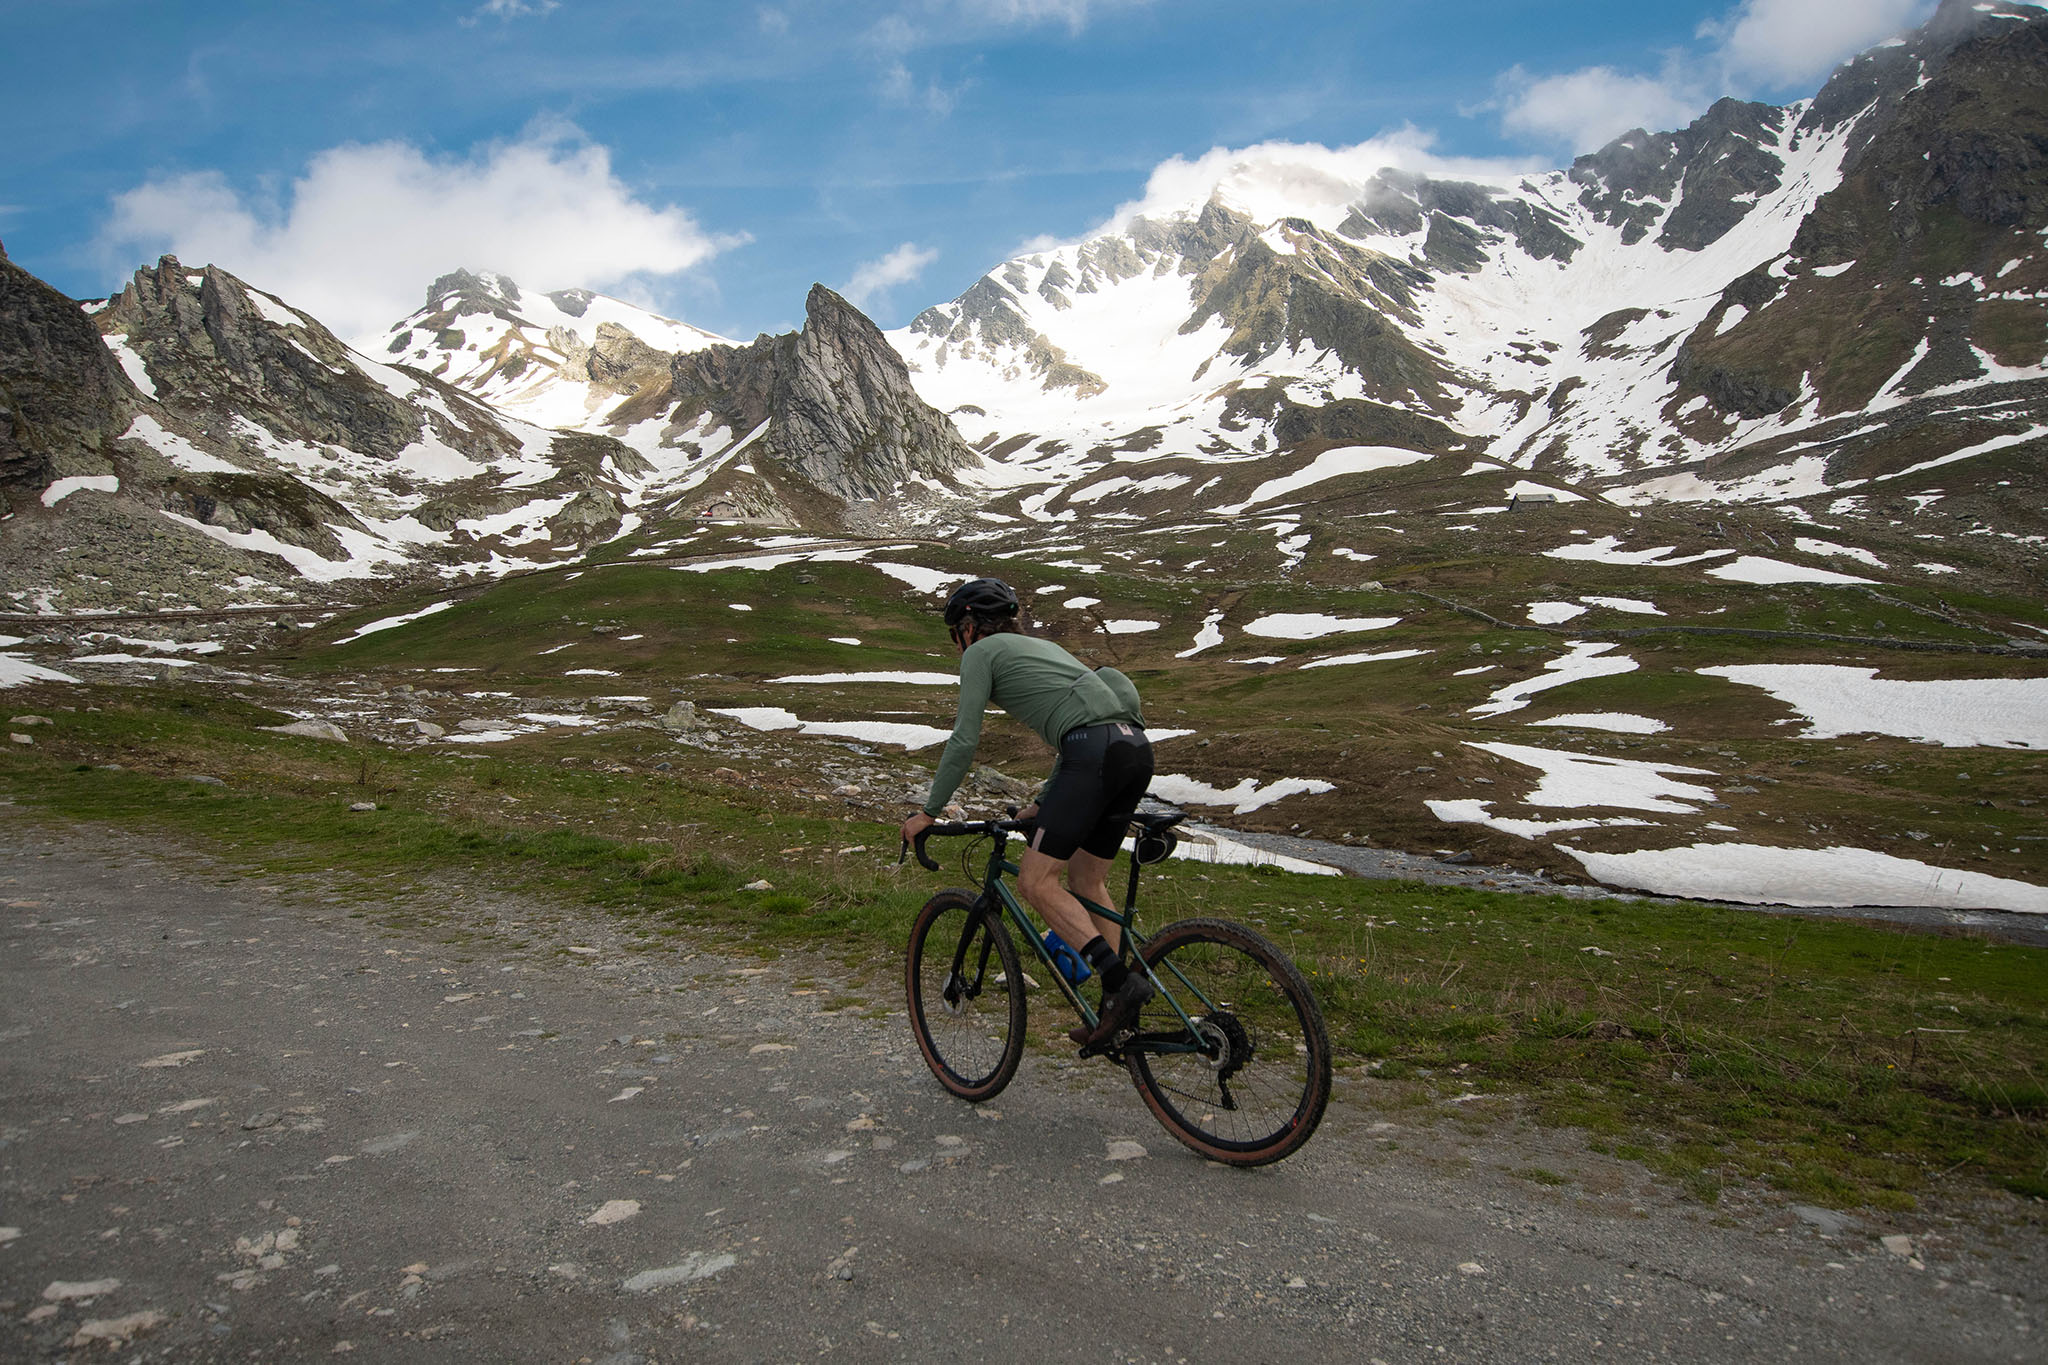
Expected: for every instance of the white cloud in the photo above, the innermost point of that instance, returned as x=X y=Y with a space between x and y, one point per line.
x=1304 y=179
x=1774 y=43
x=1073 y=13
x=900 y=266
x=1760 y=47
x=366 y=228
x=1592 y=106
x=513 y=9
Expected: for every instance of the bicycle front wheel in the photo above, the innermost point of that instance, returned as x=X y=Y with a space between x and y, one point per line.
x=1248 y=1085
x=966 y=995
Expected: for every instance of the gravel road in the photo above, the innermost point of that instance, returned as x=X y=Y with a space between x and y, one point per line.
x=241 y=1119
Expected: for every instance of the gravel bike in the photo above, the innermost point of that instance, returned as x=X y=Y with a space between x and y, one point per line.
x=1231 y=1053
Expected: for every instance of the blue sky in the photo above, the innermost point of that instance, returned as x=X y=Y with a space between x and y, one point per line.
x=712 y=160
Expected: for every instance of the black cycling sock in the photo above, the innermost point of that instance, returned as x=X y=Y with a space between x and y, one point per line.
x=1106 y=963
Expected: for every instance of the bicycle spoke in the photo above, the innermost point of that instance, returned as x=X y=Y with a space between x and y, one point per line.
x=1258 y=1086
x=965 y=1012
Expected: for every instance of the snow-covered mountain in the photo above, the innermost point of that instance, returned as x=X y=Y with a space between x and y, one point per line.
x=1773 y=303
x=1838 y=308
x=564 y=359
x=765 y=427
x=196 y=442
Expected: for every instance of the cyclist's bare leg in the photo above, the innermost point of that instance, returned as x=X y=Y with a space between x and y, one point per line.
x=1088 y=878
x=1038 y=877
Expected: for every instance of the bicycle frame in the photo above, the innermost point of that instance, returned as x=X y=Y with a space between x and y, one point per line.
x=995 y=887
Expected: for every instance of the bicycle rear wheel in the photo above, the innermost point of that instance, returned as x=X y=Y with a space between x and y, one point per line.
x=966 y=995
x=1256 y=1088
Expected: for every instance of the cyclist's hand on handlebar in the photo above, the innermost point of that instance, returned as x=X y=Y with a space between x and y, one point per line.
x=1030 y=812
x=916 y=825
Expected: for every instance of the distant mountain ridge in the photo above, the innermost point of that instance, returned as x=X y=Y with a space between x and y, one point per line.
x=1681 y=304
x=1838 y=309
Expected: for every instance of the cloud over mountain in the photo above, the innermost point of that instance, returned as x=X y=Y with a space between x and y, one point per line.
x=353 y=236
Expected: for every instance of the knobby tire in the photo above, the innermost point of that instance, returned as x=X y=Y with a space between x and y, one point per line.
x=1260 y=1092
x=974 y=1041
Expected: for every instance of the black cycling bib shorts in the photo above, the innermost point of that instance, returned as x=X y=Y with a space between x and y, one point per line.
x=1103 y=773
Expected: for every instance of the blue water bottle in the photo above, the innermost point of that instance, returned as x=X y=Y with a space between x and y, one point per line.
x=1065 y=958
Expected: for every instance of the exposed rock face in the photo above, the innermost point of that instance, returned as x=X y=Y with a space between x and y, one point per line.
x=63 y=397
x=1925 y=261
x=836 y=401
x=215 y=341
x=1714 y=167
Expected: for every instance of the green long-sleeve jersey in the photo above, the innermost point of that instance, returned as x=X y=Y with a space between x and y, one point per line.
x=1037 y=682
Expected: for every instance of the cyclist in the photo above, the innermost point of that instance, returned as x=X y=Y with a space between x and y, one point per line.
x=1092 y=720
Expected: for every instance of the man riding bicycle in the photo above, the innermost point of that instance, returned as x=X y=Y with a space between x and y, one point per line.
x=1091 y=718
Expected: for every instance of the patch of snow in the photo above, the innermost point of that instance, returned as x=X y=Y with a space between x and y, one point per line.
x=14 y=671
x=1314 y=625
x=923 y=579
x=272 y=310
x=1381 y=657
x=1758 y=569
x=1809 y=545
x=1554 y=613
x=1629 y=604
x=175 y=448
x=1247 y=796
x=131 y=363
x=1575 y=781
x=1208 y=637
x=1203 y=844
x=1330 y=464
x=918 y=679
x=80 y=483
x=1607 y=550
x=1837 y=699
x=1619 y=722
x=1838 y=876
x=909 y=737
x=1129 y=627
x=389 y=621
x=1582 y=663
x=364 y=554
x=1981 y=448
x=1471 y=812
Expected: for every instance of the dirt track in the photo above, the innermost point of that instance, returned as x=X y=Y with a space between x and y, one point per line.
x=287 y=1133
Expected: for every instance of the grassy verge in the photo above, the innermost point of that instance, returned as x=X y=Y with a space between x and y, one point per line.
x=1841 y=1062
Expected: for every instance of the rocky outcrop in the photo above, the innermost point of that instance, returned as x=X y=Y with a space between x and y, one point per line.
x=63 y=397
x=835 y=399
x=1929 y=246
x=208 y=343
x=1713 y=169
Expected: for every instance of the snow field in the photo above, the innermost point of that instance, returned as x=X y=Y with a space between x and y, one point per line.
x=1838 y=876
x=1840 y=699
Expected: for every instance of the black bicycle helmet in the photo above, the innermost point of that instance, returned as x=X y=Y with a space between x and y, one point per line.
x=980 y=597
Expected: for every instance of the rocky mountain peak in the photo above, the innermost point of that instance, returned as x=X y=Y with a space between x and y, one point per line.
x=835 y=400
x=1714 y=169
x=205 y=332
x=465 y=291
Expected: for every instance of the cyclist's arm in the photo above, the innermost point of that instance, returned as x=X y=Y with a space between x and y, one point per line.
x=959 y=754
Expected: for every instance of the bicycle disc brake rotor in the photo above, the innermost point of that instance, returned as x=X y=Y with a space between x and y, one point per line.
x=956 y=999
